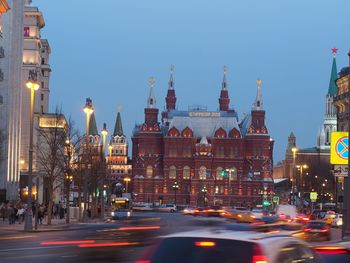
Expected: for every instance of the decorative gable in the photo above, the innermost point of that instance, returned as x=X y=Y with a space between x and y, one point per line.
x=234 y=133
x=173 y=132
x=187 y=132
x=220 y=133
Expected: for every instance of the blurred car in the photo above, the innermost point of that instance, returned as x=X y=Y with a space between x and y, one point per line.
x=286 y=211
x=229 y=246
x=334 y=252
x=318 y=214
x=213 y=211
x=232 y=213
x=121 y=214
x=188 y=211
x=302 y=219
x=142 y=207
x=317 y=230
x=330 y=215
x=198 y=211
x=337 y=220
x=245 y=217
x=258 y=213
x=167 y=208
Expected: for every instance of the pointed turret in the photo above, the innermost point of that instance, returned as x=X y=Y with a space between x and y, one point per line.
x=170 y=98
x=333 y=89
x=151 y=112
x=224 y=100
x=258 y=103
x=118 y=128
x=92 y=125
x=151 y=102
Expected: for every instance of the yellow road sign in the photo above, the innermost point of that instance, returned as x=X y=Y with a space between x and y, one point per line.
x=313 y=196
x=339 y=148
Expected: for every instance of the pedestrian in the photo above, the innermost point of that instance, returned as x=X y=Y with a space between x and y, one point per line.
x=20 y=215
x=61 y=211
x=3 y=211
x=11 y=214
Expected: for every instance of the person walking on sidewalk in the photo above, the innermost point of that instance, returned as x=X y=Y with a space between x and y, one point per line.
x=3 y=212
x=11 y=214
x=20 y=214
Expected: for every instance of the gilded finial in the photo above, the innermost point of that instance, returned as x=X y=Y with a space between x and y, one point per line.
x=152 y=81
x=258 y=82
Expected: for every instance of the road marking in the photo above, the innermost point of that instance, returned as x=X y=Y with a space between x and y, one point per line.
x=16 y=237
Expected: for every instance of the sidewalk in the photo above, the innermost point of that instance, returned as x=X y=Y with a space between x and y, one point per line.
x=56 y=225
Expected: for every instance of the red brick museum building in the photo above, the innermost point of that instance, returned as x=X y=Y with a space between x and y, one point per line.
x=199 y=157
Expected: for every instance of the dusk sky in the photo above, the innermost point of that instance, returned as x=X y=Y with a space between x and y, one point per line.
x=108 y=49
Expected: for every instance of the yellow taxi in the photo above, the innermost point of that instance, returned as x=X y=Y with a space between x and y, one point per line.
x=245 y=217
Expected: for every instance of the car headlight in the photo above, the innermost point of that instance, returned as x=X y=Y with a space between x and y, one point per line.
x=128 y=214
x=112 y=214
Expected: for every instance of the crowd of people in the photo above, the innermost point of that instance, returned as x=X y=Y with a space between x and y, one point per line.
x=15 y=212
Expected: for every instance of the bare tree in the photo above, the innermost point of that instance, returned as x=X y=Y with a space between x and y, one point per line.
x=51 y=155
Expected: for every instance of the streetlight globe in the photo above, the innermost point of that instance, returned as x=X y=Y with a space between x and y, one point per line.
x=294 y=149
x=36 y=86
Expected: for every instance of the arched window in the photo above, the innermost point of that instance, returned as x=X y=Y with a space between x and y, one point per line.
x=202 y=173
x=149 y=171
x=219 y=173
x=172 y=172
x=186 y=172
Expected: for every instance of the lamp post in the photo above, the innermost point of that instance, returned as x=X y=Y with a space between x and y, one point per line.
x=68 y=176
x=33 y=85
x=88 y=109
x=175 y=188
x=126 y=180
x=204 y=192
x=294 y=151
x=302 y=185
x=346 y=212
x=230 y=171
x=104 y=133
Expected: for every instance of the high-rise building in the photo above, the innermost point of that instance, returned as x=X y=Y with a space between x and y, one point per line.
x=202 y=157
x=11 y=53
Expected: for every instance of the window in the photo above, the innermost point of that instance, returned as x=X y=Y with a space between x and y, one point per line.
x=42 y=97
x=220 y=151
x=149 y=171
x=219 y=173
x=42 y=61
x=1 y=99
x=26 y=31
x=172 y=151
x=187 y=151
x=186 y=172
x=42 y=85
x=42 y=109
x=202 y=173
x=172 y=172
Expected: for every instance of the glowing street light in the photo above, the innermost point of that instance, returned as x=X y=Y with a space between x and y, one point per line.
x=33 y=85
x=126 y=180
x=88 y=109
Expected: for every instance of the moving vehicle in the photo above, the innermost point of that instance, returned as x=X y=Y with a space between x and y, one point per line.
x=121 y=208
x=213 y=211
x=142 y=207
x=245 y=217
x=229 y=246
x=188 y=211
x=287 y=211
x=317 y=230
x=330 y=215
x=302 y=219
x=233 y=213
x=258 y=213
x=337 y=220
x=334 y=252
x=167 y=208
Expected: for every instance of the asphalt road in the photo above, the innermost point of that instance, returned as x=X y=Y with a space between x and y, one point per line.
x=121 y=241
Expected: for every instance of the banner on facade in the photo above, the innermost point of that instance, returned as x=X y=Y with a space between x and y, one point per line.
x=339 y=148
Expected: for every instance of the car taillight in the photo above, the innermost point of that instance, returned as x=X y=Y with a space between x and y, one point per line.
x=324 y=230
x=331 y=250
x=258 y=255
x=143 y=261
x=205 y=244
x=306 y=218
x=307 y=229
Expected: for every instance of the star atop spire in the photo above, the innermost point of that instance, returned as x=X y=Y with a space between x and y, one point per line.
x=258 y=103
x=334 y=51
x=151 y=102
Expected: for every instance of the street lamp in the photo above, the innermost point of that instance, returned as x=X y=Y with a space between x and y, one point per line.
x=126 y=180
x=88 y=109
x=175 y=188
x=302 y=184
x=230 y=171
x=33 y=85
x=68 y=175
x=104 y=133
x=294 y=151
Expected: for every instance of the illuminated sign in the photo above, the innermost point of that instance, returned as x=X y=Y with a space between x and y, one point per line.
x=203 y=114
x=339 y=148
x=313 y=196
x=53 y=122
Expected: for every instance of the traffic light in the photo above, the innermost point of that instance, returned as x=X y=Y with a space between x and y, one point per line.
x=266 y=203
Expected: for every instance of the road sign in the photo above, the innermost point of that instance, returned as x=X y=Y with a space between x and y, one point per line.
x=340 y=170
x=313 y=196
x=275 y=199
x=339 y=148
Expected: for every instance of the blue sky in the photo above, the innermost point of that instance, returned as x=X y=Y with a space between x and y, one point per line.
x=108 y=49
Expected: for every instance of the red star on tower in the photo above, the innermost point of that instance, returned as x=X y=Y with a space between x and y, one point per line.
x=334 y=50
